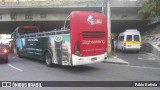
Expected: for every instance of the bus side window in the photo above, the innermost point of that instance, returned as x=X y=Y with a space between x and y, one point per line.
x=129 y=37
x=21 y=31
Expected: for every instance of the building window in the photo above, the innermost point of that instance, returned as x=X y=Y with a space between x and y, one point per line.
x=13 y=16
x=42 y=15
x=28 y=15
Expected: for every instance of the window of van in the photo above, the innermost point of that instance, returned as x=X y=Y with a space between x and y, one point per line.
x=136 y=37
x=129 y=37
x=121 y=38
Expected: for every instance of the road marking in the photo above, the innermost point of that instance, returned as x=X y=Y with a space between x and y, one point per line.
x=140 y=58
x=14 y=67
x=149 y=59
x=14 y=57
x=143 y=67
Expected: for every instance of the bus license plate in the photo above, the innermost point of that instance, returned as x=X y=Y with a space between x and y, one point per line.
x=93 y=59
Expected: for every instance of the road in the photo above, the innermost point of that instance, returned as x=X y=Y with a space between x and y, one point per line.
x=142 y=67
x=141 y=59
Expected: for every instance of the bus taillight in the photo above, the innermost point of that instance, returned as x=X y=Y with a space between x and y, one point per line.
x=77 y=49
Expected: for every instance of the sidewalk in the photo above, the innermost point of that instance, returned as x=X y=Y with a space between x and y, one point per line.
x=115 y=60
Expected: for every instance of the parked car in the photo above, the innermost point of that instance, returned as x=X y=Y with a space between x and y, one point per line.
x=3 y=54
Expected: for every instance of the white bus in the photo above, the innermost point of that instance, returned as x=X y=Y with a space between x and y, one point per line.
x=129 y=40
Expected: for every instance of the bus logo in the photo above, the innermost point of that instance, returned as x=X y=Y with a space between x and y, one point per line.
x=58 y=38
x=92 y=21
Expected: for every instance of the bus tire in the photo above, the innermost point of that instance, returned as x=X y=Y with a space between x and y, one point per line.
x=48 y=59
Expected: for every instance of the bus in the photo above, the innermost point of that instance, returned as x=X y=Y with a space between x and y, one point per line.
x=84 y=42
x=130 y=40
x=22 y=30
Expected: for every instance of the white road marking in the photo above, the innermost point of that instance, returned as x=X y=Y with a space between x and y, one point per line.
x=140 y=58
x=14 y=67
x=14 y=57
x=143 y=67
x=151 y=59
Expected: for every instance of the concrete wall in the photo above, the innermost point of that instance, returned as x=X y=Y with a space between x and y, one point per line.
x=6 y=16
x=35 y=17
x=70 y=3
x=151 y=40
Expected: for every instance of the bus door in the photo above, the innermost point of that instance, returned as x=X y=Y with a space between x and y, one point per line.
x=133 y=41
x=129 y=40
x=136 y=41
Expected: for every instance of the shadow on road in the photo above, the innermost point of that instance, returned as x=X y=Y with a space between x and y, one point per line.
x=74 y=69
x=79 y=69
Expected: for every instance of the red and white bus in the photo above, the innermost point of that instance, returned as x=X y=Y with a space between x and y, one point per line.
x=85 y=42
x=88 y=32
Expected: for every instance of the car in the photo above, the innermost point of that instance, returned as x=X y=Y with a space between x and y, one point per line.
x=3 y=54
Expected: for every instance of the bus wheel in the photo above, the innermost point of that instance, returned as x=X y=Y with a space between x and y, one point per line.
x=48 y=59
x=18 y=54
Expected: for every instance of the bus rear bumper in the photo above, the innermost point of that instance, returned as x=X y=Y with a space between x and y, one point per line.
x=77 y=60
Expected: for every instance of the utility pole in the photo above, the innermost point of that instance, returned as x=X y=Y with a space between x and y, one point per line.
x=107 y=12
x=109 y=25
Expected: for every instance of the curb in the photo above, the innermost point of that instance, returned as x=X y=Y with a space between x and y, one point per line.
x=115 y=60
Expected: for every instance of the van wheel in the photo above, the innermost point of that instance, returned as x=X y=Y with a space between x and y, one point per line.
x=123 y=50
x=137 y=51
x=6 y=59
x=48 y=59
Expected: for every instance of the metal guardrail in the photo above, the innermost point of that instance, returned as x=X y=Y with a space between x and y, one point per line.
x=47 y=33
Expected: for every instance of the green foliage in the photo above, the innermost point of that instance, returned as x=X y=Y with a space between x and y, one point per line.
x=151 y=8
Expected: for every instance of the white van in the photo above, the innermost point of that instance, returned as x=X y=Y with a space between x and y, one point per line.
x=129 y=40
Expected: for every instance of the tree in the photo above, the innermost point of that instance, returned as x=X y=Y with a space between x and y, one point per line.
x=151 y=8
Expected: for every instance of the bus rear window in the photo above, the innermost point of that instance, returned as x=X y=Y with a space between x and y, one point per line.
x=136 y=37
x=22 y=31
x=129 y=37
x=93 y=34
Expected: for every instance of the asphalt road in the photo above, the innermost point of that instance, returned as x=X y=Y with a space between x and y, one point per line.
x=141 y=59
x=142 y=67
